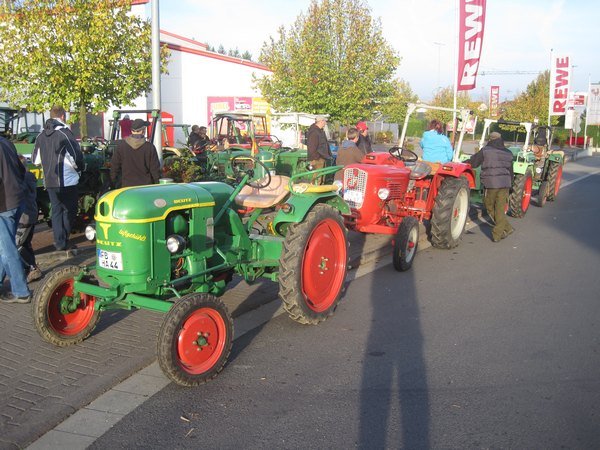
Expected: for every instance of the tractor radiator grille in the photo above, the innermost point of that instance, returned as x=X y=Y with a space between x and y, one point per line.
x=396 y=190
x=355 y=186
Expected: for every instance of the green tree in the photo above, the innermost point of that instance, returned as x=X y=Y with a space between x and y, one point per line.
x=531 y=104
x=82 y=54
x=445 y=97
x=333 y=59
x=247 y=55
x=393 y=108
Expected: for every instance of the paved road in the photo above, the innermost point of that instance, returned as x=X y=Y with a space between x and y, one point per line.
x=486 y=346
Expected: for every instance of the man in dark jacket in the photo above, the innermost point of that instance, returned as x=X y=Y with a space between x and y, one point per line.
x=135 y=159
x=348 y=153
x=318 y=147
x=12 y=175
x=364 y=141
x=496 y=163
x=60 y=156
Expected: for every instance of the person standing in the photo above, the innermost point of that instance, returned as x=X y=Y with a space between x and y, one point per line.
x=62 y=161
x=496 y=163
x=12 y=176
x=135 y=160
x=125 y=125
x=436 y=146
x=26 y=225
x=348 y=153
x=364 y=140
x=317 y=144
x=198 y=139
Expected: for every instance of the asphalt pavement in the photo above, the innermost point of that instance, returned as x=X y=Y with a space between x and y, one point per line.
x=41 y=385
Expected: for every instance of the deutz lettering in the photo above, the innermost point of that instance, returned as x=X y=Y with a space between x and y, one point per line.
x=182 y=200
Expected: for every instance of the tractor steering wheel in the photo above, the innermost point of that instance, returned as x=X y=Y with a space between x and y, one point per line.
x=241 y=170
x=398 y=152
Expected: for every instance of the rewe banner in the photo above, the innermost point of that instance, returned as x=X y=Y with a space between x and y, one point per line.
x=560 y=75
x=593 y=105
x=470 y=41
x=494 y=100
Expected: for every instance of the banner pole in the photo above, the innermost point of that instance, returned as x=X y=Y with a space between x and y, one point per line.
x=456 y=53
x=587 y=103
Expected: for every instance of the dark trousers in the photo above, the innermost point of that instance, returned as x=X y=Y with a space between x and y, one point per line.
x=64 y=212
x=495 y=204
x=24 y=238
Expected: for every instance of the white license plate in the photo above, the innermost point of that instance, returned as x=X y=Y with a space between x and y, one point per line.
x=353 y=196
x=110 y=260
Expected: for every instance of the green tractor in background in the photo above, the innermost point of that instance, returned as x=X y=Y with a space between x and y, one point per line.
x=173 y=248
x=536 y=166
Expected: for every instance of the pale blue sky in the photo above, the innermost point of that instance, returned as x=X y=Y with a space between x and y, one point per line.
x=518 y=35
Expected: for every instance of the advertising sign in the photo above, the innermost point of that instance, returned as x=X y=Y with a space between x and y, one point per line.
x=593 y=106
x=494 y=100
x=560 y=74
x=470 y=41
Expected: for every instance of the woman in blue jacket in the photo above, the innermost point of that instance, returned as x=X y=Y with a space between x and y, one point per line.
x=436 y=146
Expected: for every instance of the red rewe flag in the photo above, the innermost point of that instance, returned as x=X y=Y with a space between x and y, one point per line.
x=470 y=41
x=560 y=74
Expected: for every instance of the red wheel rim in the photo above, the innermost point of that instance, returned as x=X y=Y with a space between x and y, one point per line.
x=558 y=180
x=526 y=193
x=323 y=266
x=201 y=340
x=73 y=323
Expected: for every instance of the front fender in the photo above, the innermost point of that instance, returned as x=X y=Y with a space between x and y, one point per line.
x=519 y=167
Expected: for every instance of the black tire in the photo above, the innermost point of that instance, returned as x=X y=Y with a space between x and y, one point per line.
x=56 y=325
x=313 y=266
x=519 y=199
x=554 y=180
x=542 y=194
x=406 y=243
x=450 y=212
x=196 y=323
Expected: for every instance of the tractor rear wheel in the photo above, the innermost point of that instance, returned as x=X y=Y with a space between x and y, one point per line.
x=405 y=244
x=58 y=317
x=554 y=178
x=520 y=198
x=542 y=194
x=313 y=266
x=195 y=339
x=450 y=211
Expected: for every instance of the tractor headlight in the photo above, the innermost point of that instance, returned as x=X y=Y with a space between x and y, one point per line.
x=383 y=193
x=339 y=185
x=175 y=243
x=90 y=233
x=287 y=208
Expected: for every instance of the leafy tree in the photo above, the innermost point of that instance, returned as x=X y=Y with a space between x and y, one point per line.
x=532 y=103
x=221 y=50
x=394 y=107
x=333 y=59
x=235 y=53
x=247 y=55
x=445 y=97
x=82 y=54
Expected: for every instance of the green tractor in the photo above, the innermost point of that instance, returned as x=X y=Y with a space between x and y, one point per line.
x=173 y=248
x=536 y=166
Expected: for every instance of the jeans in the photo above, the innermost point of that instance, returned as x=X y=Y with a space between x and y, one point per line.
x=64 y=211
x=10 y=261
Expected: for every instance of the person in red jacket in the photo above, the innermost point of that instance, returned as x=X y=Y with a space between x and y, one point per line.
x=135 y=161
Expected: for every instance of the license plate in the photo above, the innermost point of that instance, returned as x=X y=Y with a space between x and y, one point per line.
x=353 y=196
x=110 y=260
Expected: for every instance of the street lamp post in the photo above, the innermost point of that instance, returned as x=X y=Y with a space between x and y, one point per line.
x=439 y=46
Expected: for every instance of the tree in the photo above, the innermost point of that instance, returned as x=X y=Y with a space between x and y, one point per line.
x=84 y=55
x=394 y=107
x=221 y=50
x=531 y=104
x=247 y=55
x=445 y=97
x=333 y=60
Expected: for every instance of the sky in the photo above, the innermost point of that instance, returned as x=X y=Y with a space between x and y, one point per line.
x=519 y=36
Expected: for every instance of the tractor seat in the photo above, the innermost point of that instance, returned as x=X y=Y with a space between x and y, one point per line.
x=267 y=197
x=423 y=168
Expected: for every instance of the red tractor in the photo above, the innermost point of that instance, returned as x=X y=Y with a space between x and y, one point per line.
x=390 y=193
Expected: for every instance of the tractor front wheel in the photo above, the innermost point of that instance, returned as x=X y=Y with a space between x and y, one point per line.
x=450 y=211
x=554 y=179
x=195 y=339
x=520 y=198
x=313 y=264
x=542 y=194
x=60 y=318
x=405 y=244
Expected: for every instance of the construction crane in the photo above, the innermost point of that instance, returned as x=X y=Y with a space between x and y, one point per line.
x=510 y=72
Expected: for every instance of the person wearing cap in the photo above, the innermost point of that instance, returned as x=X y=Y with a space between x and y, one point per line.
x=364 y=141
x=57 y=150
x=436 y=146
x=317 y=144
x=135 y=160
x=496 y=163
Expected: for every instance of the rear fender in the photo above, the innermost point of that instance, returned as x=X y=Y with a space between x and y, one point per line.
x=456 y=170
x=298 y=206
